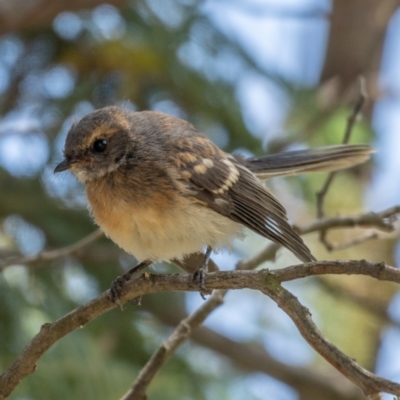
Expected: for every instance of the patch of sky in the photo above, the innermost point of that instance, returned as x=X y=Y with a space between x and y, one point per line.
x=68 y=25
x=59 y=81
x=29 y=238
x=107 y=23
x=24 y=148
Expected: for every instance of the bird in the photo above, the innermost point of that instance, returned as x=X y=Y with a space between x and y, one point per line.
x=162 y=190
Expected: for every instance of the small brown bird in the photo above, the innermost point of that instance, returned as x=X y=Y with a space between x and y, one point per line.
x=161 y=190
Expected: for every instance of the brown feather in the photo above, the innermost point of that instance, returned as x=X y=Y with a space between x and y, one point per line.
x=320 y=159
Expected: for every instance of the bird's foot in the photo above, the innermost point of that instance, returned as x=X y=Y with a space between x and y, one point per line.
x=116 y=288
x=200 y=274
x=118 y=284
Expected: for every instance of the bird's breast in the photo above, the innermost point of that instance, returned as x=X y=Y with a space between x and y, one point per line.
x=164 y=227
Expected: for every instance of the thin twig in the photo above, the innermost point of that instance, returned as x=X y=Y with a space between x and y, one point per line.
x=251 y=356
x=351 y=120
x=264 y=280
x=362 y=98
x=354 y=242
x=379 y=271
x=181 y=333
x=370 y=384
x=383 y=220
x=50 y=255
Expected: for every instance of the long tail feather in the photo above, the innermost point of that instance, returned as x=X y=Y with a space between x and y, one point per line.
x=320 y=159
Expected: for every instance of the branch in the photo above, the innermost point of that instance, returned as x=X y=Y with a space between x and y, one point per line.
x=309 y=384
x=379 y=271
x=351 y=120
x=370 y=384
x=358 y=106
x=181 y=333
x=382 y=220
x=264 y=280
x=354 y=242
x=50 y=255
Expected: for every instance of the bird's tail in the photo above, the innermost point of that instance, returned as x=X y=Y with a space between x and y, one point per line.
x=319 y=159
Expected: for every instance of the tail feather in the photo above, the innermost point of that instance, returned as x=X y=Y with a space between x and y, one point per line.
x=320 y=159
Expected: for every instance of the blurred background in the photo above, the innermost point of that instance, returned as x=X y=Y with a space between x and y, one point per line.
x=256 y=76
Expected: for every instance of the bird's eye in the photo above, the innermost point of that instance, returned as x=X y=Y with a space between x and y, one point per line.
x=99 y=145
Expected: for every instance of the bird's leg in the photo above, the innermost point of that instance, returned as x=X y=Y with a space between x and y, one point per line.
x=200 y=273
x=117 y=285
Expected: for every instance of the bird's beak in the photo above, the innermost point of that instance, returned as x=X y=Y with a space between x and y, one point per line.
x=64 y=165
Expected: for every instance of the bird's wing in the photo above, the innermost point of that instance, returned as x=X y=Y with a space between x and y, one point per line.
x=222 y=183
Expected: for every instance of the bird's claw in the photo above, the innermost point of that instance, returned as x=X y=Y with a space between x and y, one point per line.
x=116 y=288
x=199 y=278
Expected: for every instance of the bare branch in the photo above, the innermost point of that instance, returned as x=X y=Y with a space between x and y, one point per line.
x=54 y=254
x=379 y=271
x=354 y=242
x=383 y=221
x=370 y=384
x=358 y=106
x=264 y=280
x=181 y=333
x=351 y=120
x=308 y=383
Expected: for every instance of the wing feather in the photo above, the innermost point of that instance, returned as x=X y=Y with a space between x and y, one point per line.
x=224 y=184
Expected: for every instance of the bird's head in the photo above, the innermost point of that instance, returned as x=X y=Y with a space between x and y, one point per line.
x=98 y=144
